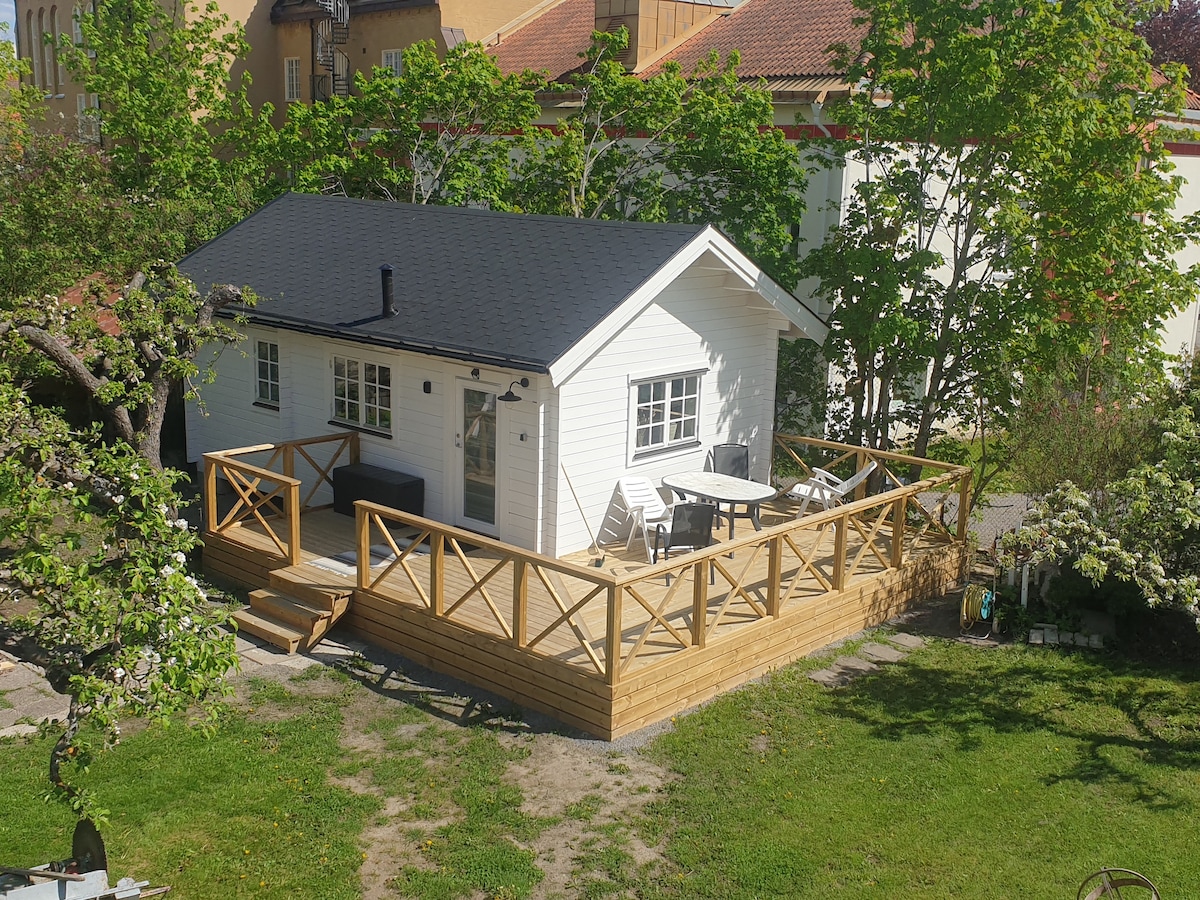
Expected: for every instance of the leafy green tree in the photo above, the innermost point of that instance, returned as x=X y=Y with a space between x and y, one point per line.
x=382 y=141
x=183 y=142
x=699 y=147
x=163 y=322
x=94 y=586
x=1014 y=207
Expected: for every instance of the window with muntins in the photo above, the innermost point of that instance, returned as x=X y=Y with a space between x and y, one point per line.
x=362 y=393
x=666 y=413
x=266 y=360
x=291 y=79
x=393 y=60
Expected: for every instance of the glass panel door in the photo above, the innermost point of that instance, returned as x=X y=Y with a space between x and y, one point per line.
x=478 y=422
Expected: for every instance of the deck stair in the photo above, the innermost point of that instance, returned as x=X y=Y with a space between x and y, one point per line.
x=296 y=611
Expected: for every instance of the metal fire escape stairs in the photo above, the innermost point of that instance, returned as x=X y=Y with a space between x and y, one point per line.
x=330 y=33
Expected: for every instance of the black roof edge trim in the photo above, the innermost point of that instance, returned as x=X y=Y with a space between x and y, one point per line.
x=446 y=352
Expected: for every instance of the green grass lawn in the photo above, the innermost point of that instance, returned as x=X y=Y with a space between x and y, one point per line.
x=961 y=772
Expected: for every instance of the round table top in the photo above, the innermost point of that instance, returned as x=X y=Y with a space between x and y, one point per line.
x=715 y=486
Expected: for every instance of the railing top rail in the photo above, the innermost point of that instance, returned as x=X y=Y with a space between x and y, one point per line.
x=809 y=522
x=299 y=442
x=596 y=576
x=250 y=469
x=879 y=454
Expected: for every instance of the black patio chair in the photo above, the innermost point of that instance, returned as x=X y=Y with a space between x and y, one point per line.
x=734 y=459
x=690 y=528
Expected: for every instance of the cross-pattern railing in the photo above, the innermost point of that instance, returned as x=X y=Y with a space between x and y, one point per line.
x=272 y=485
x=608 y=623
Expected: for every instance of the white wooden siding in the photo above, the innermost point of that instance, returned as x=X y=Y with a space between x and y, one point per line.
x=422 y=442
x=698 y=320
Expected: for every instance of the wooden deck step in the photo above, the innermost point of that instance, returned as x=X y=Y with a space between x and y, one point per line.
x=314 y=587
x=271 y=605
x=285 y=637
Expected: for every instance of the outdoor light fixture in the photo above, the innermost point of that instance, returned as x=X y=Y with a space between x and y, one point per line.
x=508 y=396
x=475 y=374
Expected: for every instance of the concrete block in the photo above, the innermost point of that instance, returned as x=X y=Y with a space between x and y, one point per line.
x=881 y=653
x=905 y=640
x=1096 y=641
x=1081 y=639
x=1066 y=638
x=1051 y=634
x=1037 y=636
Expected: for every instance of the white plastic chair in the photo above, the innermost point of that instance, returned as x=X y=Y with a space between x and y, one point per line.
x=827 y=489
x=644 y=508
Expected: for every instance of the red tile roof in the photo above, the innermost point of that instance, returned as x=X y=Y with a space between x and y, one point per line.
x=552 y=42
x=777 y=38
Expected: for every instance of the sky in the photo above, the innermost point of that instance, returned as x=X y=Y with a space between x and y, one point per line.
x=8 y=13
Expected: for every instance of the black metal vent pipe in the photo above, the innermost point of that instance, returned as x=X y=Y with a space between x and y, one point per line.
x=389 y=298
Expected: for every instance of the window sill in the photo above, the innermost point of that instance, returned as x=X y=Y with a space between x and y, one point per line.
x=263 y=404
x=364 y=429
x=643 y=455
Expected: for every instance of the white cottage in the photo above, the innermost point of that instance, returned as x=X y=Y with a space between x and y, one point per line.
x=496 y=356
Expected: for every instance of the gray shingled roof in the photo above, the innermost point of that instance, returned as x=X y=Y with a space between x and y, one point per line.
x=471 y=284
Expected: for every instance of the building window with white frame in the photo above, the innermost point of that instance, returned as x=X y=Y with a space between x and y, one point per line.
x=362 y=393
x=291 y=79
x=666 y=412
x=87 y=110
x=266 y=374
x=393 y=61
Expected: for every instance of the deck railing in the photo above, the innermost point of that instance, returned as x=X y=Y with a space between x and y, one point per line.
x=276 y=491
x=676 y=605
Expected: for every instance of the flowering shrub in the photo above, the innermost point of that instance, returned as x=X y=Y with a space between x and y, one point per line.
x=94 y=586
x=1143 y=528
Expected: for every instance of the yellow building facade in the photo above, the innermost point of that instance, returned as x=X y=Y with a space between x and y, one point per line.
x=300 y=50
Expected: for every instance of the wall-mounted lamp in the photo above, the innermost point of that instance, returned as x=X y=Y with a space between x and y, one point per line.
x=508 y=396
x=475 y=374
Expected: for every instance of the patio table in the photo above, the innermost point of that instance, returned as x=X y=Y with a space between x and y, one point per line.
x=722 y=489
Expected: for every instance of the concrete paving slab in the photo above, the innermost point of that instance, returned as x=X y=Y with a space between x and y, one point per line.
x=830 y=678
x=905 y=641
x=854 y=664
x=20 y=676
x=18 y=730
x=53 y=709
x=881 y=653
x=264 y=657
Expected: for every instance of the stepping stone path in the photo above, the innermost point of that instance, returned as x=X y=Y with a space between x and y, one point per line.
x=26 y=698
x=846 y=668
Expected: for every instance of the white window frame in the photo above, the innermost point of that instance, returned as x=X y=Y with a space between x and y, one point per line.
x=291 y=79
x=266 y=373
x=87 y=122
x=659 y=420
x=362 y=394
x=395 y=63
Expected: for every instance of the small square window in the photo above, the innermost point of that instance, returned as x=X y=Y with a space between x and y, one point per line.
x=666 y=412
x=362 y=393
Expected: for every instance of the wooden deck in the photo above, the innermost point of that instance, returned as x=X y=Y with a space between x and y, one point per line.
x=613 y=647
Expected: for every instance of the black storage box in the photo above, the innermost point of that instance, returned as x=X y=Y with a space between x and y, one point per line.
x=363 y=482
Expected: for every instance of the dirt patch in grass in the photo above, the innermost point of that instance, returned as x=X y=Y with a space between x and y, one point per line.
x=588 y=797
x=587 y=792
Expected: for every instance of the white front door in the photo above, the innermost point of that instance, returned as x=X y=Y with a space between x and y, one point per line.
x=475 y=448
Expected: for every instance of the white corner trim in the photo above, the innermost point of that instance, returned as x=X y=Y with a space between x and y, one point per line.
x=710 y=239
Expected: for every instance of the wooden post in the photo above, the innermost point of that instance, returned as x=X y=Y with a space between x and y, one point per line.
x=362 y=556
x=839 y=553
x=964 y=498
x=289 y=459
x=354 y=448
x=293 y=514
x=700 y=603
x=520 y=602
x=899 y=513
x=612 y=635
x=437 y=573
x=210 y=494
x=774 y=576
x=860 y=461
